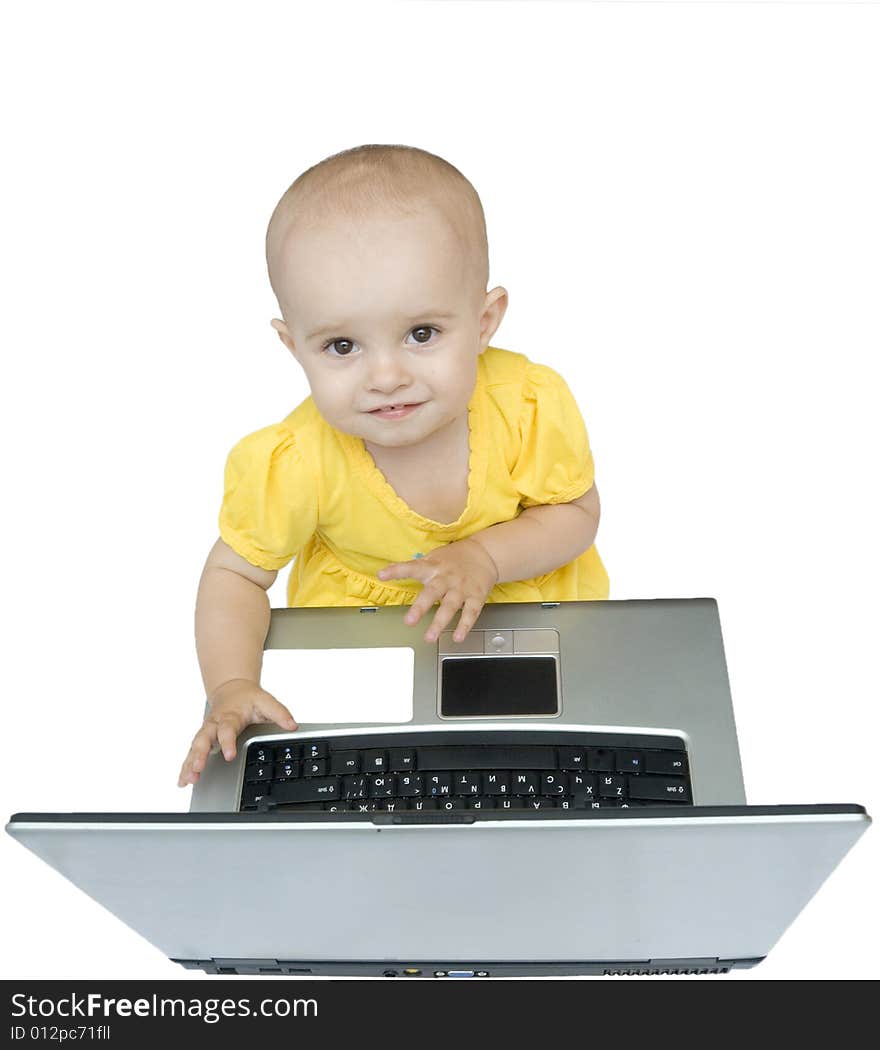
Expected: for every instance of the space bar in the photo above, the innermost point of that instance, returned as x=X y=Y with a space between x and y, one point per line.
x=310 y=789
x=538 y=757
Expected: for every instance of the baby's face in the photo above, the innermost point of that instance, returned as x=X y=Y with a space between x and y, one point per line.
x=388 y=322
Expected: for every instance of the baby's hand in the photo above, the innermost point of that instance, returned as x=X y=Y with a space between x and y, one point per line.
x=233 y=707
x=459 y=576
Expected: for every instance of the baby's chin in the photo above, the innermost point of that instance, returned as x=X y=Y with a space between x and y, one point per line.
x=393 y=436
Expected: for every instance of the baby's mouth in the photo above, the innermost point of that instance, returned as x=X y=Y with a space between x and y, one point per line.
x=397 y=409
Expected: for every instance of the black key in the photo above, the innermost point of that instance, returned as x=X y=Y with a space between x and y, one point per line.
x=666 y=762
x=424 y=803
x=467 y=783
x=364 y=806
x=629 y=761
x=393 y=805
x=451 y=803
x=252 y=793
x=602 y=803
x=524 y=783
x=553 y=783
x=288 y=753
x=382 y=785
x=345 y=762
x=599 y=759
x=481 y=802
x=572 y=758
x=324 y=789
x=611 y=786
x=402 y=759
x=438 y=784
x=567 y=803
x=355 y=786
x=583 y=785
x=336 y=807
x=374 y=761
x=314 y=767
x=260 y=755
x=496 y=783
x=514 y=802
x=489 y=757
x=410 y=785
x=667 y=789
x=255 y=773
x=540 y=803
x=287 y=770
x=318 y=750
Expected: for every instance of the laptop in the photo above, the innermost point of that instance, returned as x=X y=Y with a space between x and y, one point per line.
x=566 y=799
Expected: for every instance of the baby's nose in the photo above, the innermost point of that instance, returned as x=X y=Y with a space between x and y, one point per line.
x=388 y=371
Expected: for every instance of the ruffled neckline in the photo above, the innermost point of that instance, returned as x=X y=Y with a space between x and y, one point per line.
x=366 y=467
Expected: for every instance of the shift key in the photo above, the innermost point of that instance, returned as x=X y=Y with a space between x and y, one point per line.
x=313 y=789
x=657 y=789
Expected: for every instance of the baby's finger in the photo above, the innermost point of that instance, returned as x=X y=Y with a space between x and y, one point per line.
x=228 y=729
x=272 y=710
x=418 y=568
x=195 y=761
x=448 y=607
x=430 y=593
x=201 y=746
x=183 y=775
x=468 y=618
x=403 y=570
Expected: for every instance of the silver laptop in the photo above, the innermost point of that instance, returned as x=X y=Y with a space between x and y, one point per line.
x=566 y=799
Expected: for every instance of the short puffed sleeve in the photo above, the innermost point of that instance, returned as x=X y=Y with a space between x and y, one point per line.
x=555 y=464
x=270 y=498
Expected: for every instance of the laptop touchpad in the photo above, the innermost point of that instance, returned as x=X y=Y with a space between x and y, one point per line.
x=494 y=686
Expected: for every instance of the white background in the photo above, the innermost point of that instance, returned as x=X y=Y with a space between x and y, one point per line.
x=682 y=202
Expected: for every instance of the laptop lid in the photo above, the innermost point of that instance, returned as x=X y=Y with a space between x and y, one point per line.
x=702 y=888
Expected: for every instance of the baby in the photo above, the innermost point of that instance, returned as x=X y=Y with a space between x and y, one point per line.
x=426 y=467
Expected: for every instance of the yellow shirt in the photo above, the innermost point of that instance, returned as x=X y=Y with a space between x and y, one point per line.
x=302 y=489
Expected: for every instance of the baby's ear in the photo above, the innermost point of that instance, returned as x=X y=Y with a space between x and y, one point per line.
x=283 y=334
x=494 y=308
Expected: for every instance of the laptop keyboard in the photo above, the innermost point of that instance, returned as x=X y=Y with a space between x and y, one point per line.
x=494 y=771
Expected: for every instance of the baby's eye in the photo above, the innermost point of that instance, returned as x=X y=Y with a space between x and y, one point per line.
x=422 y=334
x=343 y=347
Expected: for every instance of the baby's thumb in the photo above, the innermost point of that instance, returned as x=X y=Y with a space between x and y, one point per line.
x=281 y=716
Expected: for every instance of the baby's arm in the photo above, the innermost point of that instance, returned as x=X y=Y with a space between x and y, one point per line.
x=232 y=620
x=542 y=538
x=461 y=574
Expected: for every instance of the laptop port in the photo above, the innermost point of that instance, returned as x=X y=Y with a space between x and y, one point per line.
x=461 y=973
x=412 y=973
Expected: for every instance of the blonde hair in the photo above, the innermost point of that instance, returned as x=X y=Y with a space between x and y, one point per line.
x=366 y=179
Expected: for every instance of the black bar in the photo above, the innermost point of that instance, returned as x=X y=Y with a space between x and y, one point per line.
x=449 y=758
